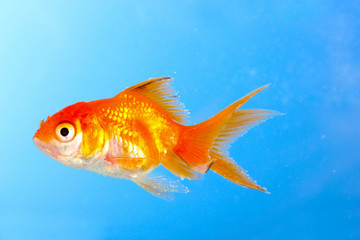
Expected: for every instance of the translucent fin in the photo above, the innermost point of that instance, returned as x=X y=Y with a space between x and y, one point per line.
x=160 y=91
x=196 y=141
x=227 y=168
x=225 y=114
x=161 y=187
x=178 y=167
x=237 y=125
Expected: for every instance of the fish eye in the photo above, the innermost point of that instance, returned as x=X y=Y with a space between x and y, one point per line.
x=65 y=132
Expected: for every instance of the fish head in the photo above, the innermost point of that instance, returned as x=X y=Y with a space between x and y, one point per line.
x=60 y=136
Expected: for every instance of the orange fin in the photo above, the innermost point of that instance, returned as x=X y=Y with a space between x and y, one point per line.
x=196 y=141
x=175 y=164
x=160 y=91
x=227 y=168
x=161 y=187
x=237 y=125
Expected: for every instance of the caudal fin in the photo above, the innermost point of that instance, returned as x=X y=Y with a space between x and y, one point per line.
x=236 y=126
x=204 y=146
x=227 y=168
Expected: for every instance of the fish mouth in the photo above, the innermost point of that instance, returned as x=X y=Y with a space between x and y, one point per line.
x=43 y=147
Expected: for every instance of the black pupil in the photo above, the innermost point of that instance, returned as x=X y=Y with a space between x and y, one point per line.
x=64 y=132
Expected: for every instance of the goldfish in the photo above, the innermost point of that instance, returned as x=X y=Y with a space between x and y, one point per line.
x=143 y=127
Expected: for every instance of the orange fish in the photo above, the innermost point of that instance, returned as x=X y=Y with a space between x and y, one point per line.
x=131 y=134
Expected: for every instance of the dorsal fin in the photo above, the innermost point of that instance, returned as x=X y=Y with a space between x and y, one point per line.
x=160 y=91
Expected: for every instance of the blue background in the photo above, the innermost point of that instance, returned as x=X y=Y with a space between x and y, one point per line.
x=55 y=53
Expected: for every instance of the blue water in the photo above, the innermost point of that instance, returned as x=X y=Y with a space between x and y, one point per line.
x=55 y=53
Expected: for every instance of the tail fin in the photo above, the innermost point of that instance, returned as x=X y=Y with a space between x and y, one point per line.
x=236 y=126
x=204 y=146
x=227 y=168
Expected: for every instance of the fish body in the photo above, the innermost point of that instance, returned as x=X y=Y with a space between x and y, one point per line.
x=131 y=134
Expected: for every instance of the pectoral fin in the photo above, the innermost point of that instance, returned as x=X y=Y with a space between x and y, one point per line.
x=161 y=187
